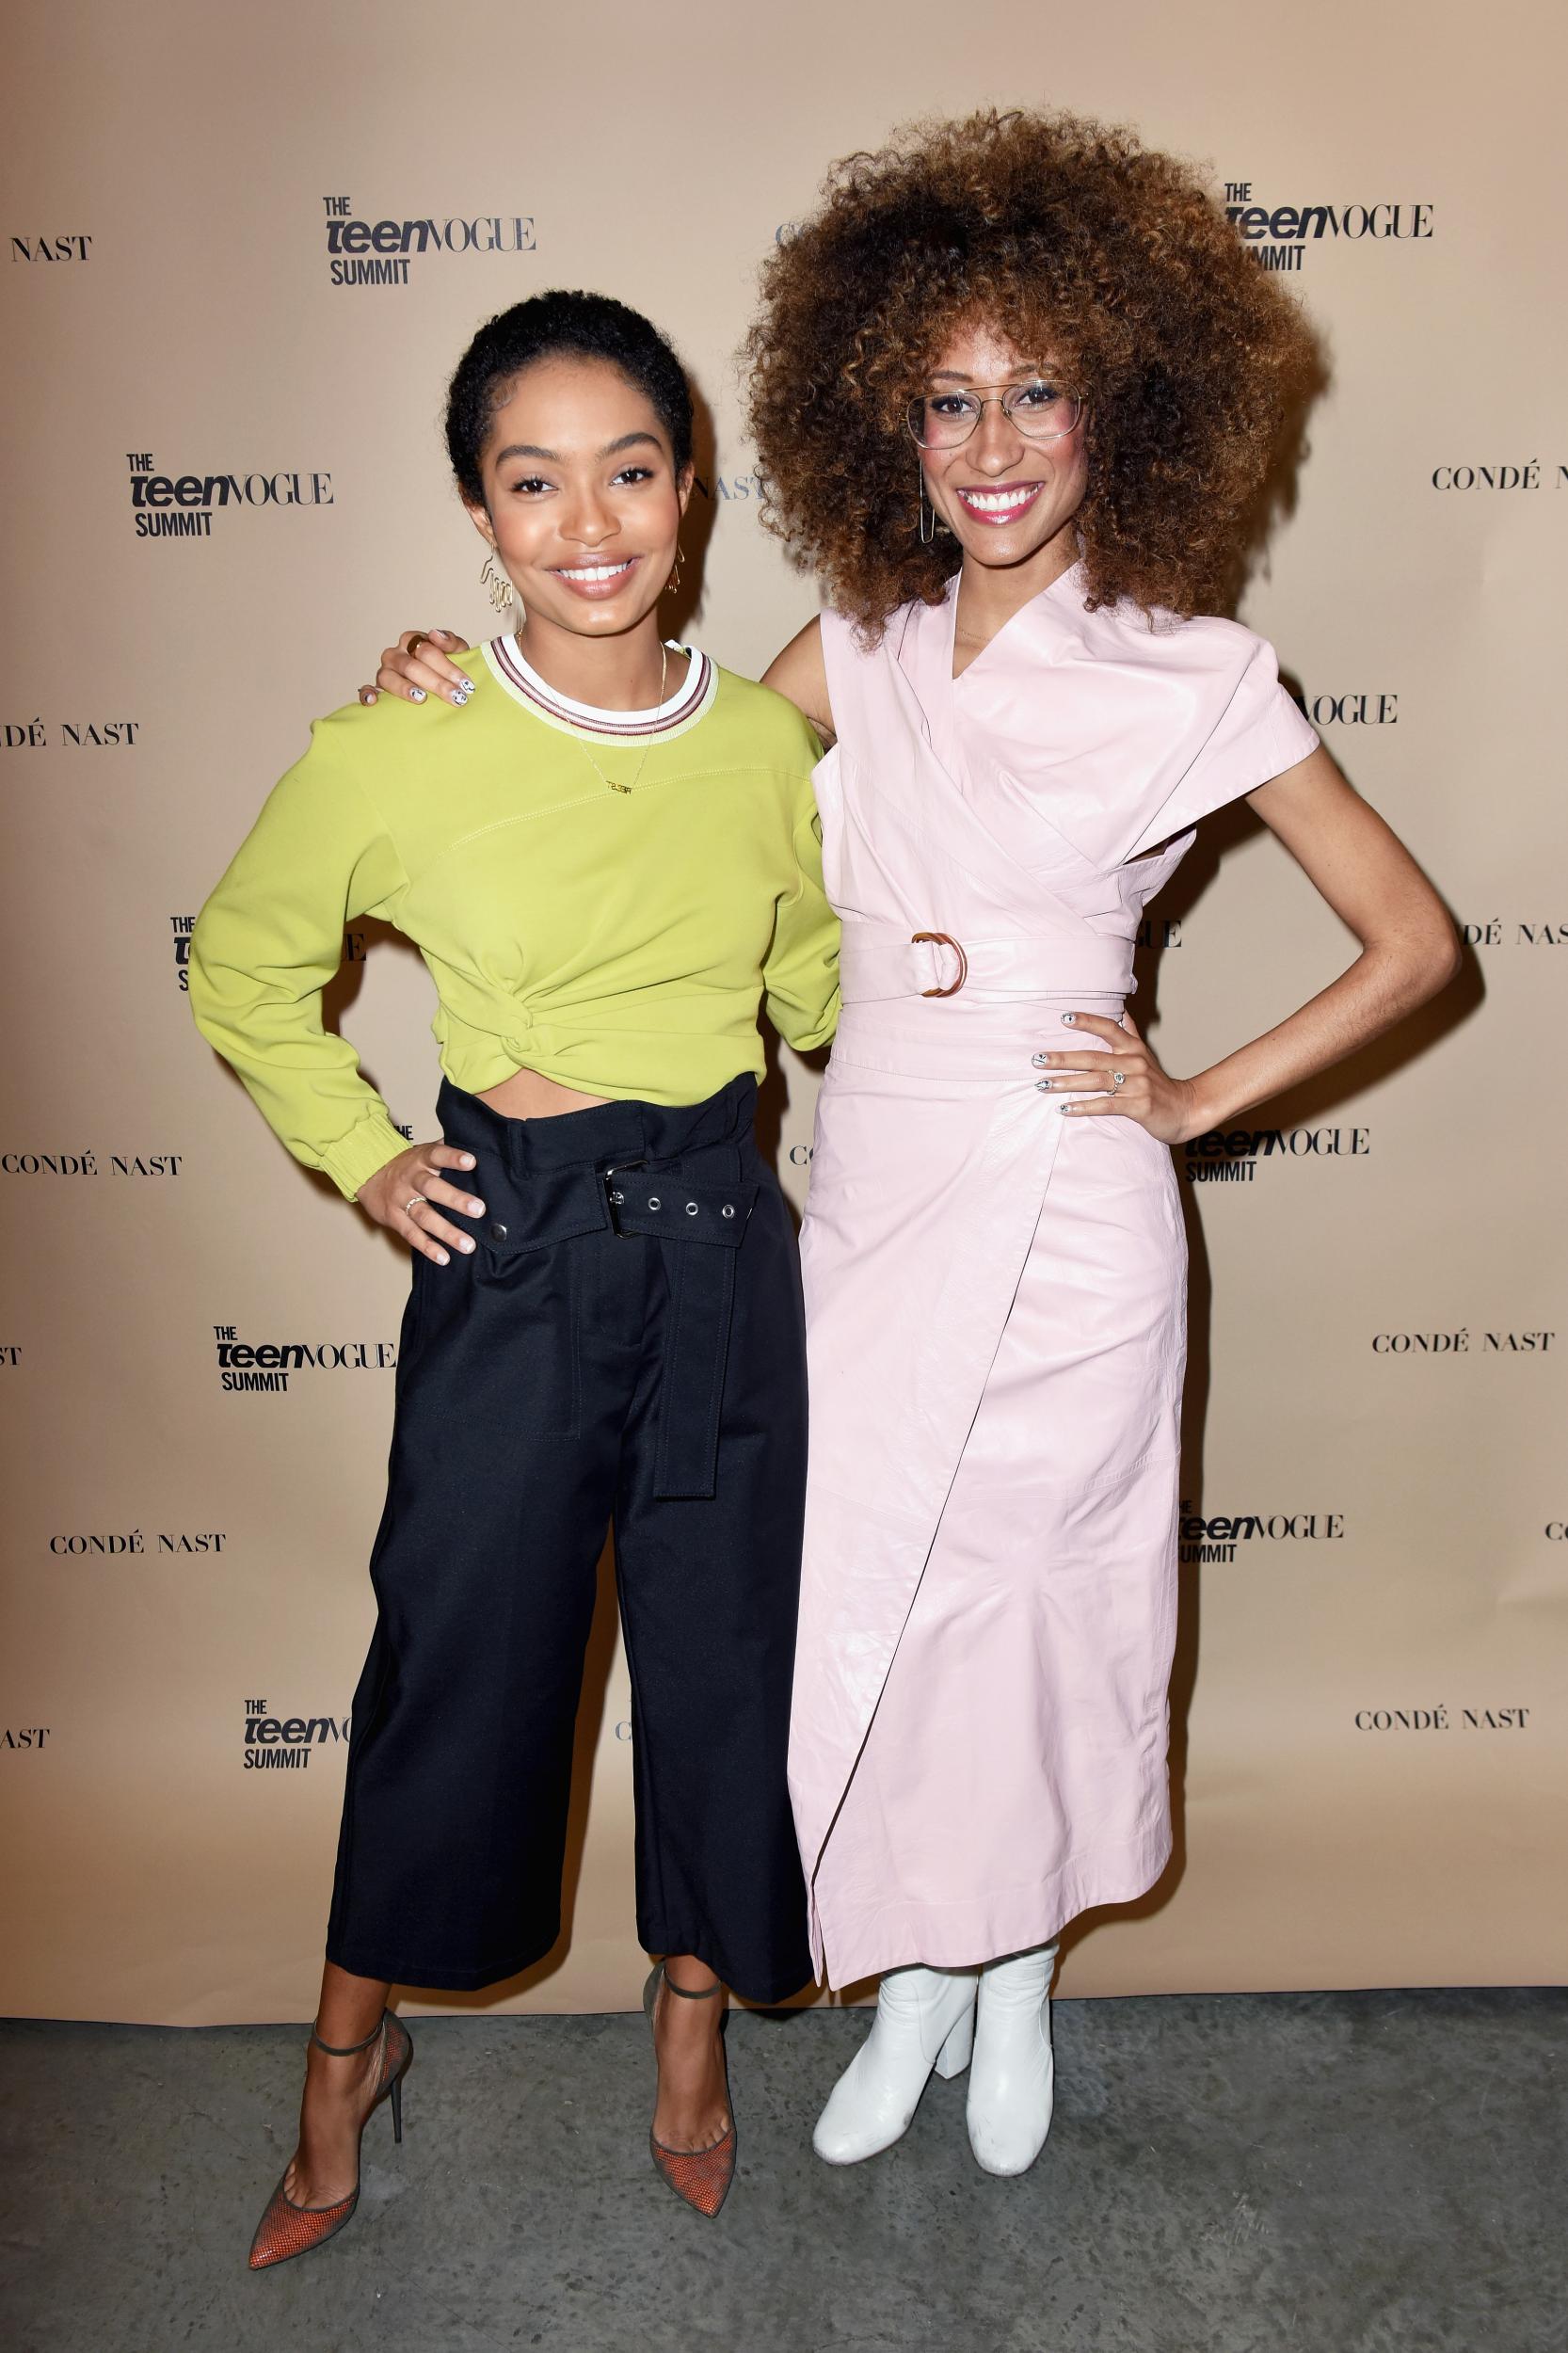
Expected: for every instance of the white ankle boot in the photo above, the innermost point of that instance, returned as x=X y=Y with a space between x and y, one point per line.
x=924 y=2019
x=1011 y=2082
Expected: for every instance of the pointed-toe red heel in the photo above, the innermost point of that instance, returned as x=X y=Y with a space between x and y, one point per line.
x=286 y=2230
x=699 y=2177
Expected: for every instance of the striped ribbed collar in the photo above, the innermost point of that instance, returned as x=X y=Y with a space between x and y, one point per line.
x=683 y=711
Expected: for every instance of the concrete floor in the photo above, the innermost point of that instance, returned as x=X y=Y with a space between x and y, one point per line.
x=1311 y=2173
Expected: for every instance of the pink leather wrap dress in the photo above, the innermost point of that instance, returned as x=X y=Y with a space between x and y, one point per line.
x=996 y=1295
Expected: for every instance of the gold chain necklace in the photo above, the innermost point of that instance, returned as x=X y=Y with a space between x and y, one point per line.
x=609 y=781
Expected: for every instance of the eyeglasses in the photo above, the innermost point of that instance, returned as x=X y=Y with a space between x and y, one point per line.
x=1039 y=410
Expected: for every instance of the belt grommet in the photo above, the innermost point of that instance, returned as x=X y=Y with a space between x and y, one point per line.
x=729 y=1210
x=691 y=1208
x=654 y=1202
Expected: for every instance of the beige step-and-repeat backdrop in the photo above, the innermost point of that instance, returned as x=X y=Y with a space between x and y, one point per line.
x=241 y=252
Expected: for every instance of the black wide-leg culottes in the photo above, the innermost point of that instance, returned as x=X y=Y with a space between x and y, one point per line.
x=625 y=1344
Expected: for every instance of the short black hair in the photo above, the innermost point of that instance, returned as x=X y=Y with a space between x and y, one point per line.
x=590 y=327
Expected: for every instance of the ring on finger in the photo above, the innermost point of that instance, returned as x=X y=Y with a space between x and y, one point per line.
x=412 y=1202
x=420 y=637
x=1118 y=1078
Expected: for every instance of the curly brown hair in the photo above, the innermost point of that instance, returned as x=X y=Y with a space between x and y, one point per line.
x=1071 y=238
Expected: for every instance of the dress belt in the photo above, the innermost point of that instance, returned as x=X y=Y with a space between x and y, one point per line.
x=876 y=963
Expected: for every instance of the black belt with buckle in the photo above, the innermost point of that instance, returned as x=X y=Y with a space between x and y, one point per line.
x=661 y=1204
x=676 y=1207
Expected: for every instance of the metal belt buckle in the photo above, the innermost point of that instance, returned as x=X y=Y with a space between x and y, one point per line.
x=614 y=1198
x=944 y=939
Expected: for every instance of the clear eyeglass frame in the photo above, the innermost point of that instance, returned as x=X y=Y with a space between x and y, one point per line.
x=1008 y=398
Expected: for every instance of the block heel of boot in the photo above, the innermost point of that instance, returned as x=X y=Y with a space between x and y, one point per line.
x=957 y=2051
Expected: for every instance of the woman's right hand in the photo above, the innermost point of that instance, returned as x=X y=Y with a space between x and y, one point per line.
x=417 y=666
x=409 y=1194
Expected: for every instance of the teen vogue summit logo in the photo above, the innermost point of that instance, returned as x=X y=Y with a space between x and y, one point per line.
x=181 y=927
x=1277 y=235
x=1230 y=1155
x=283 y=1743
x=182 y=506
x=362 y=252
x=268 y=1366
x=1215 y=1538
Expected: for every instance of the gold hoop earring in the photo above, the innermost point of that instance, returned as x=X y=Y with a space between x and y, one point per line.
x=673 y=584
x=928 y=513
x=493 y=579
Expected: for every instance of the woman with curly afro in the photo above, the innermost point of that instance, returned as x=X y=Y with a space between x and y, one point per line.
x=1017 y=391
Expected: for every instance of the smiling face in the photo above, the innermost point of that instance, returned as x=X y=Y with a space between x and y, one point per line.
x=1006 y=499
x=582 y=500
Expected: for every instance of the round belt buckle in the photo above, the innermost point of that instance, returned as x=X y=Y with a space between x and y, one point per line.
x=944 y=939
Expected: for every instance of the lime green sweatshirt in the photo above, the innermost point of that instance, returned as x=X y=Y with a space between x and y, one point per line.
x=603 y=897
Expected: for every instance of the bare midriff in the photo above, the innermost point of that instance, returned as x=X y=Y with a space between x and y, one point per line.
x=526 y=1094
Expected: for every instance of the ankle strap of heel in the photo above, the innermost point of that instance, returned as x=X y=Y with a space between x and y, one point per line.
x=688 y=1992
x=348 y=2050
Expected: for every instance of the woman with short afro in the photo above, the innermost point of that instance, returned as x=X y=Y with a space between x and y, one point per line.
x=1018 y=393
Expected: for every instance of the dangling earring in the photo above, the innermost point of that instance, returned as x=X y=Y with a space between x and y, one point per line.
x=495 y=583
x=673 y=584
x=928 y=513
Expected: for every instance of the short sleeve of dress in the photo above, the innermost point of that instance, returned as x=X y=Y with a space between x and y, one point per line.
x=1251 y=731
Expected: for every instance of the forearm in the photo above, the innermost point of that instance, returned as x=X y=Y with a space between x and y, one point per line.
x=268 y=941
x=305 y=1080
x=1385 y=983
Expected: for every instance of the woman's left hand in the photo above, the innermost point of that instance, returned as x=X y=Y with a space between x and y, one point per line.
x=1125 y=1083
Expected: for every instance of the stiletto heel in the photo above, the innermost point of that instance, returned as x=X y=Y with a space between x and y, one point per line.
x=701 y=2177
x=286 y=2230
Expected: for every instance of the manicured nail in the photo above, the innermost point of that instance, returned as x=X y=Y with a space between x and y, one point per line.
x=465 y=1243
x=441 y=1259
x=1044 y=1085
x=416 y=694
x=466 y=1160
x=476 y=1208
x=367 y=695
x=1069 y=1018
x=1067 y=1107
x=460 y=701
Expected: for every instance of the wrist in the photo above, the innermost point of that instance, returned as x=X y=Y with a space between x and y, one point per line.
x=1206 y=1108
x=363 y=1153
